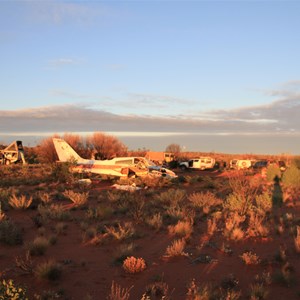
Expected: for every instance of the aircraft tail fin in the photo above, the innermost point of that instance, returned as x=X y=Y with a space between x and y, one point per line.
x=65 y=152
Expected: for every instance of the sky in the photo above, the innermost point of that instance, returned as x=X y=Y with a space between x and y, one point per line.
x=220 y=76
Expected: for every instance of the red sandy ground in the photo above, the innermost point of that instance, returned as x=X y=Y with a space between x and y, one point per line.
x=88 y=270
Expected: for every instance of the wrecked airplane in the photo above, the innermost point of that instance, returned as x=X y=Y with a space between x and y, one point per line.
x=119 y=166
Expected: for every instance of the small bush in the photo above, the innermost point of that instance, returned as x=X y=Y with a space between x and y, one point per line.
x=176 y=248
x=49 y=270
x=78 y=199
x=118 y=293
x=250 y=258
x=182 y=228
x=156 y=221
x=134 y=265
x=20 y=202
x=122 y=232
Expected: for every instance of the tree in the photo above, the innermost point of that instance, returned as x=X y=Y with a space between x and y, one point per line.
x=106 y=146
x=173 y=148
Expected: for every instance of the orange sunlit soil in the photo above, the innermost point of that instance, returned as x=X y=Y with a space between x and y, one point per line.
x=91 y=241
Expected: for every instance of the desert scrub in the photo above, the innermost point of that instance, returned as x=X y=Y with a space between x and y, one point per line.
x=195 y=292
x=45 y=198
x=232 y=229
x=238 y=203
x=258 y=292
x=61 y=172
x=256 y=225
x=263 y=203
x=176 y=248
x=100 y=212
x=157 y=290
x=171 y=197
x=10 y=291
x=155 y=221
x=50 y=270
x=78 y=199
x=122 y=232
x=10 y=234
x=53 y=212
x=181 y=229
x=250 y=258
x=118 y=293
x=134 y=265
x=20 y=202
x=204 y=201
x=39 y=246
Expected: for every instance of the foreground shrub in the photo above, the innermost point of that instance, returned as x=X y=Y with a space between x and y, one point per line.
x=134 y=265
x=78 y=199
x=176 y=248
x=10 y=291
x=49 y=270
x=182 y=228
x=204 y=200
x=20 y=202
x=122 y=232
x=10 y=234
x=118 y=293
x=156 y=221
x=250 y=258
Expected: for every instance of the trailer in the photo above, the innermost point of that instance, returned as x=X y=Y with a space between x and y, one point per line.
x=160 y=157
x=14 y=153
x=201 y=163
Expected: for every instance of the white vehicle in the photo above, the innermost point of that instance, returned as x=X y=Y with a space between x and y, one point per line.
x=119 y=166
x=243 y=164
x=200 y=163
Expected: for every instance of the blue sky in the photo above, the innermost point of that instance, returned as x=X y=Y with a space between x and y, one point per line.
x=192 y=72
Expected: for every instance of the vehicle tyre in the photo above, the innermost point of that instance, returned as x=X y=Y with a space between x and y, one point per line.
x=183 y=168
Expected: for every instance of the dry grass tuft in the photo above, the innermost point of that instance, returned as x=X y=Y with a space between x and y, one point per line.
x=176 y=248
x=182 y=228
x=118 y=293
x=134 y=265
x=78 y=199
x=20 y=202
